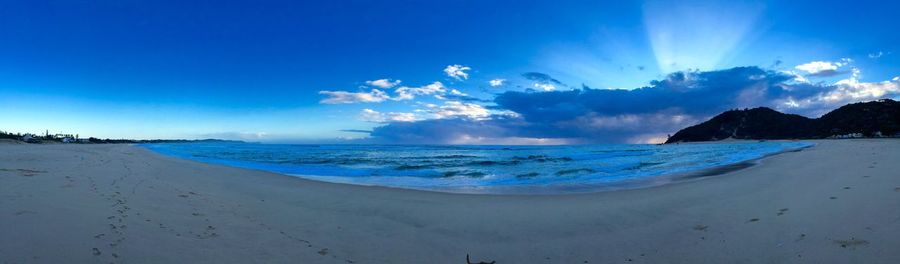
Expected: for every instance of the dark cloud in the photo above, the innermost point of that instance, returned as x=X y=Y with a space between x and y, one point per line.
x=589 y=115
x=356 y=131
x=541 y=78
x=464 y=98
x=687 y=92
x=827 y=73
x=439 y=131
x=590 y=128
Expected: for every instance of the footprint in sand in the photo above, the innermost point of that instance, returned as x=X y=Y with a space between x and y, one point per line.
x=781 y=211
x=96 y=252
x=25 y=172
x=852 y=243
x=25 y=212
x=753 y=220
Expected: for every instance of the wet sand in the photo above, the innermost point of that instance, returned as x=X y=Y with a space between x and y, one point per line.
x=838 y=202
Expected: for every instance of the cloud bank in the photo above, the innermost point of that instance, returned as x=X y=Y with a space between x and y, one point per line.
x=403 y=93
x=642 y=115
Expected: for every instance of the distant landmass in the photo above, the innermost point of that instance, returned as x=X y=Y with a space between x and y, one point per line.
x=147 y=141
x=68 y=138
x=869 y=119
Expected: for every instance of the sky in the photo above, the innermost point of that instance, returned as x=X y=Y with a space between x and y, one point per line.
x=432 y=72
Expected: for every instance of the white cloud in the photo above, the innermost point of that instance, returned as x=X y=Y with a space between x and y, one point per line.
x=342 y=97
x=823 y=67
x=845 y=91
x=851 y=89
x=457 y=71
x=409 y=93
x=797 y=77
x=817 y=66
x=545 y=86
x=457 y=92
x=452 y=109
x=383 y=83
x=877 y=54
x=454 y=92
x=370 y=115
x=497 y=82
x=790 y=102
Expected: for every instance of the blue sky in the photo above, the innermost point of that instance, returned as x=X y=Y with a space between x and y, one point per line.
x=328 y=71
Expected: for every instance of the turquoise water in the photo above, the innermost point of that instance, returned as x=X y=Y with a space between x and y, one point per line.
x=480 y=169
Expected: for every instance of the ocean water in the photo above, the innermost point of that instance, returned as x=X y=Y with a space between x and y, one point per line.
x=482 y=169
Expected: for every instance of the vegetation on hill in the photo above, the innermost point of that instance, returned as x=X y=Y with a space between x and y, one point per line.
x=868 y=119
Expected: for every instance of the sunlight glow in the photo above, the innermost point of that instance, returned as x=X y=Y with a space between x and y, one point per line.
x=696 y=35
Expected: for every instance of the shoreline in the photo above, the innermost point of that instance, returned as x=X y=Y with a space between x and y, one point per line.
x=735 y=167
x=838 y=202
x=642 y=182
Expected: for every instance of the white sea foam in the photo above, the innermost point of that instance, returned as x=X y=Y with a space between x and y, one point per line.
x=479 y=168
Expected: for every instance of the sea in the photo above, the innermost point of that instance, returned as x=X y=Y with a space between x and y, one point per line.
x=486 y=169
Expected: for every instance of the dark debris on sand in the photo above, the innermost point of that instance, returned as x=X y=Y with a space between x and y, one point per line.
x=468 y=261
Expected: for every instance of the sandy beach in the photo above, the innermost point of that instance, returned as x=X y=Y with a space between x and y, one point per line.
x=837 y=202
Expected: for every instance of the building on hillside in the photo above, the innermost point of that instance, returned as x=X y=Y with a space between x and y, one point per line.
x=62 y=136
x=851 y=135
x=29 y=138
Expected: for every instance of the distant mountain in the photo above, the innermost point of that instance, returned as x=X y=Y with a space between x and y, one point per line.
x=867 y=119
